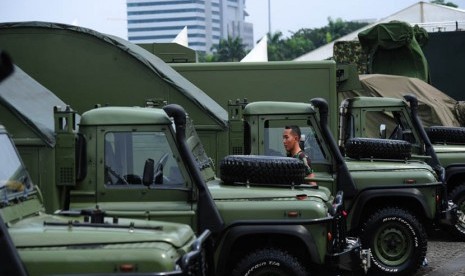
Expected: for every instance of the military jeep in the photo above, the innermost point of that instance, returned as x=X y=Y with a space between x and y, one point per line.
x=85 y=241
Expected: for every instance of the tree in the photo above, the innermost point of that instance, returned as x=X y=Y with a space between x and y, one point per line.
x=275 y=46
x=280 y=48
x=306 y=40
x=442 y=2
x=231 y=49
x=204 y=57
x=296 y=46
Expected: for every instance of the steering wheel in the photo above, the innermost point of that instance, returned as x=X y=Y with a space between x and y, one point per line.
x=120 y=179
x=159 y=168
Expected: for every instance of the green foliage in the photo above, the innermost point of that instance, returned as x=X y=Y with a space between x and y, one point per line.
x=306 y=40
x=442 y=2
x=276 y=46
x=204 y=57
x=280 y=48
x=231 y=49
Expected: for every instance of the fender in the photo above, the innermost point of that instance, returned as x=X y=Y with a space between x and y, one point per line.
x=453 y=170
x=234 y=233
x=413 y=195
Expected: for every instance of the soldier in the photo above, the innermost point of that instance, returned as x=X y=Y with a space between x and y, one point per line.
x=291 y=142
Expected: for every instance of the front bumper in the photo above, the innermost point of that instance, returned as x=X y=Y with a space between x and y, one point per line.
x=352 y=258
x=195 y=262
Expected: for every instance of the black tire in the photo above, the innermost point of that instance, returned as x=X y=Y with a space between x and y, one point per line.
x=378 y=148
x=262 y=170
x=458 y=197
x=445 y=134
x=269 y=262
x=397 y=242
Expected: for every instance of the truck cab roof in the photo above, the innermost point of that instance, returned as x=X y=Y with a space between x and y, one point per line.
x=117 y=115
x=275 y=108
x=375 y=102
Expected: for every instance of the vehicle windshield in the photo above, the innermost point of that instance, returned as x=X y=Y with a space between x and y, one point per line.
x=14 y=179
x=126 y=153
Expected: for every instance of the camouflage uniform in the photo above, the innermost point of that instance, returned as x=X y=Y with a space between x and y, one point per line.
x=306 y=160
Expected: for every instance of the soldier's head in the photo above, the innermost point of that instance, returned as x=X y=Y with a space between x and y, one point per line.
x=291 y=139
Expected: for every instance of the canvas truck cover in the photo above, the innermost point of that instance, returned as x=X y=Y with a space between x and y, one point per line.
x=434 y=107
x=84 y=67
x=31 y=103
x=395 y=48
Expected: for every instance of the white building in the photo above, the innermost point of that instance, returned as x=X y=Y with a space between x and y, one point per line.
x=430 y=16
x=207 y=21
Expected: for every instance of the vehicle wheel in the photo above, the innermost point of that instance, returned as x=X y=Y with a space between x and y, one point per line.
x=458 y=197
x=269 y=262
x=443 y=134
x=262 y=170
x=378 y=148
x=397 y=242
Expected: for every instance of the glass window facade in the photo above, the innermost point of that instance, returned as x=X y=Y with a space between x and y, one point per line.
x=151 y=21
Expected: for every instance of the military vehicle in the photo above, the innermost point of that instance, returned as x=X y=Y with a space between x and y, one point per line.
x=85 y=241
x=397 y=119
x=396 y=48
x=93 y=241
x=10 y=258
x=136 y=162
x=390 y=197
x=99 y=158
x=110 y=70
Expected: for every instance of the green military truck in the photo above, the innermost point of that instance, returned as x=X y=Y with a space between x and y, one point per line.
x=135 y=162
x=397 y=119
x=35 y=243
x=390 y=197
x=98 y=158
x=109 y=70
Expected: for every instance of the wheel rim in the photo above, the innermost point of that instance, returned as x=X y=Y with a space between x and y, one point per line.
x=392 y=245
x=461 y=221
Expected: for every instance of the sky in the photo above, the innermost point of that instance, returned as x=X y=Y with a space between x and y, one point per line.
x=287 y=16
x=291 y=15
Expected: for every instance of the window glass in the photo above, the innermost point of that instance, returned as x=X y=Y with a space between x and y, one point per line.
x=273 y=139
x=13 y=176
x=127 y=152
x=396 y=125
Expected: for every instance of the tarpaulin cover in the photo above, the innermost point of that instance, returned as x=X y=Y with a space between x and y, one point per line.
x=395 y=48
x=434 y=107
x=150 y=61
x=32 y=103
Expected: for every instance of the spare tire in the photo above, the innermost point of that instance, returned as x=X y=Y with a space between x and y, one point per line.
x=378 y=148
x=444 y=134
x=262 y=170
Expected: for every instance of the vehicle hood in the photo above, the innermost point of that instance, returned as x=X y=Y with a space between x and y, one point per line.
x=52 y=230
x=220 y=191
x=382 y=173
x=356 y=165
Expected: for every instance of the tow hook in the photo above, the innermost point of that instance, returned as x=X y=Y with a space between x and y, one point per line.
x=365 y=255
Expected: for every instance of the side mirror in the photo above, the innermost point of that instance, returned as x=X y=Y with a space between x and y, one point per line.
x=149 y=172
x=382 y=131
